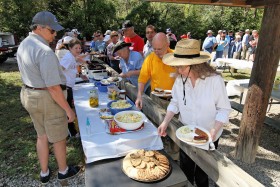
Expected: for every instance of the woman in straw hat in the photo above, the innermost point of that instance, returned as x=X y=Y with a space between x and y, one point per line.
x=199 y=95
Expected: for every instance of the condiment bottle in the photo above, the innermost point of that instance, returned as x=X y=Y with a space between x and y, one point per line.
x=93 y=98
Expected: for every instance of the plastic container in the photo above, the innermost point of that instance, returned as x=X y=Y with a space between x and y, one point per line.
x=101 y=87
x=116 y=110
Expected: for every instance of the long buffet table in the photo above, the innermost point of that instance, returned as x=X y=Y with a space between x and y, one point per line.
x=104 y=151
x=97 y=143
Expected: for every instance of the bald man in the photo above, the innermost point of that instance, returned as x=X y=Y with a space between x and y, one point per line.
x=153 y=69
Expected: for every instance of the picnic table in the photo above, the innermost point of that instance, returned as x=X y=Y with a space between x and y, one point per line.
x=275 y=94
x=230 y=63
x=104 y=152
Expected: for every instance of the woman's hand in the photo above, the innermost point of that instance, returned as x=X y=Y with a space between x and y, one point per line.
x=162 y=129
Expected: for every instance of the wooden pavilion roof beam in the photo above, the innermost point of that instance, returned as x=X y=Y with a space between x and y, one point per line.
x=241 y=3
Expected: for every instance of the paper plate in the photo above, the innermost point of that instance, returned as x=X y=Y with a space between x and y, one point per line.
x=186 y=134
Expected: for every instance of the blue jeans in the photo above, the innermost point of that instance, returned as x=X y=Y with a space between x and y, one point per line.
x=219 y=54
x=209 y=50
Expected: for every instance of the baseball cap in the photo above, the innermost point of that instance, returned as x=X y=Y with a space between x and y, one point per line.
x=247 y=30
x=127 y=24
x=209 y=31
x=106 y=38
x=108 y=32
x=75 y=31
x=47 y=18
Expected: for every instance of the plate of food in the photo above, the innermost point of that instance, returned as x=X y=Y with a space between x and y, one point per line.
x=114 y=79
x=105 y=82
x=161 y=92
x=146 y=166
x=193 y=135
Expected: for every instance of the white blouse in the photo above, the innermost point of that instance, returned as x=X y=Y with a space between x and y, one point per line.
x=70 y=68
x=206 y=102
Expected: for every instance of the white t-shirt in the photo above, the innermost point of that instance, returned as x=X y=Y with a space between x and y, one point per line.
x=205 y=103
x=69 y=64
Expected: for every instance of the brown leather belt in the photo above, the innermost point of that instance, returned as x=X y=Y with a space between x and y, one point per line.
x=63 y=87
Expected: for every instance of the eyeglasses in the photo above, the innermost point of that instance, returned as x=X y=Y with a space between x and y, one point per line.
x=51 y=30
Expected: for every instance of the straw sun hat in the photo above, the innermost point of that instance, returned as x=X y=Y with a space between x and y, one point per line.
x=187 y=52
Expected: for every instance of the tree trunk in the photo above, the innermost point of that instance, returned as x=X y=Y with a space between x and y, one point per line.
x=260 y=86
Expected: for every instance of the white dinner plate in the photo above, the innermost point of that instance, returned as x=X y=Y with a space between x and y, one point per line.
x=162 y=94
x=119 y=79
x=188 y=137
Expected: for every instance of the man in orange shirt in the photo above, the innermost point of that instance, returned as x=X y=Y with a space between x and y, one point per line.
x=153 y=69
x=132 y=37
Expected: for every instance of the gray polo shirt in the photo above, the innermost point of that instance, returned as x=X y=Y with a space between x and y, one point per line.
x=38 y=64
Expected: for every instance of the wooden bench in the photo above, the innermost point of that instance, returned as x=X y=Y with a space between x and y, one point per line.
x=268 y=121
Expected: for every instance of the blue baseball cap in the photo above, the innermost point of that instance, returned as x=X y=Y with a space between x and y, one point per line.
x=47 y=18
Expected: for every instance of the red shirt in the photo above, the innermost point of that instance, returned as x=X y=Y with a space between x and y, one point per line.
x=137 y=43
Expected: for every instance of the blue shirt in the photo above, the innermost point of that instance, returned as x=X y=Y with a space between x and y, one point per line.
x=99 y=43
x=227 y=39
x=135 y=61
x=245 y=39
x=237 y=46
x=209 y=42
x=92 y=45
x=221 y=45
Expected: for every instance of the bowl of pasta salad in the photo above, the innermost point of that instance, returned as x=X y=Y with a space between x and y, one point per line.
x=130 y=119
x=119 y=105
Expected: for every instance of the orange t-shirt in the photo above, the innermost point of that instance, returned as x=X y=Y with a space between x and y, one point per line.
x=137 y=43
x=160 y=74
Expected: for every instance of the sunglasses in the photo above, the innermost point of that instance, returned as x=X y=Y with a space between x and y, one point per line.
x=51 y=30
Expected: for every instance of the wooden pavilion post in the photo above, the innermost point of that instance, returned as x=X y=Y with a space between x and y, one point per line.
x=260 y=86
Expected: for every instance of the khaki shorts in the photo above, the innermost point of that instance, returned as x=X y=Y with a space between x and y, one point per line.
x=47 y=116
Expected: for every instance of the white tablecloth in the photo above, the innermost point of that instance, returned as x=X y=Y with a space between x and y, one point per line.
x=97 y=144
x=234 y=63
x=233 y=87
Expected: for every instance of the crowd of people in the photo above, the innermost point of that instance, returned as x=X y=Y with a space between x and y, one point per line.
x=229 y=45
x=163 y=62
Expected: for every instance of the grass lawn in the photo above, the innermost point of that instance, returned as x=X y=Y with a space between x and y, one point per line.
x=17 y=135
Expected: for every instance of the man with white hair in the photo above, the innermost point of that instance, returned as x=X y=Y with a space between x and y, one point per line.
x=131 y=37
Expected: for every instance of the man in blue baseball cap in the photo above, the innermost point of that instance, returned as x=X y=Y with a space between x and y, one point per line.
x=43 y=94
